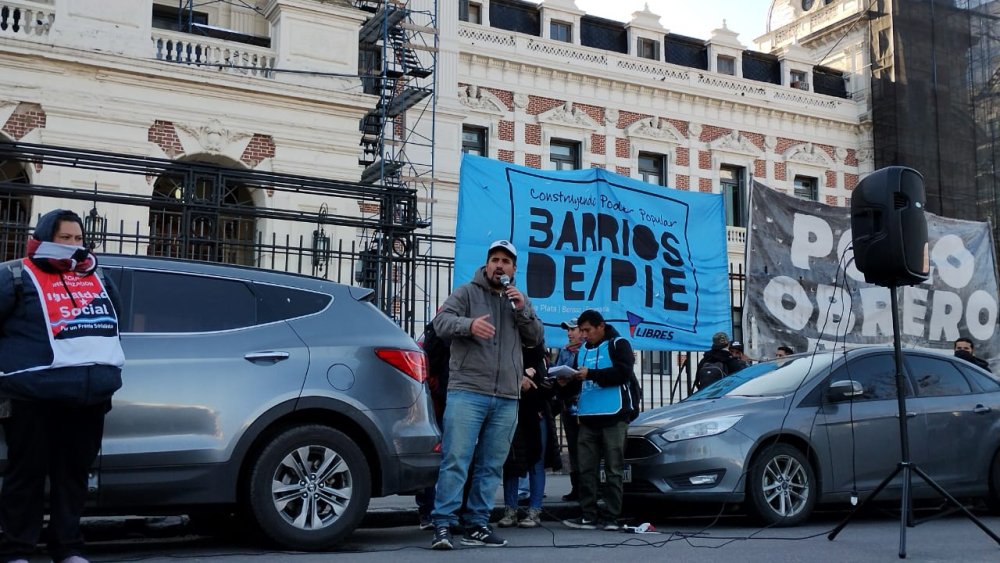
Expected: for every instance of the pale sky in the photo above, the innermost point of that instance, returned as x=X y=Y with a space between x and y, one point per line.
x=694 y=18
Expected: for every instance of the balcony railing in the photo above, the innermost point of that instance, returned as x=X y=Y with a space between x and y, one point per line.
x=26 y=19
x=736 y=238
x=226 y=56
x=480 y=41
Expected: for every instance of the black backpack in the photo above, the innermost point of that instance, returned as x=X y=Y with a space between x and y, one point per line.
x=635 y=396
x=438 y=352
x=634 y=392
x=708 y=373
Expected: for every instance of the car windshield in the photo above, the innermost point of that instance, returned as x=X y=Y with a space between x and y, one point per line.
x=766 y=379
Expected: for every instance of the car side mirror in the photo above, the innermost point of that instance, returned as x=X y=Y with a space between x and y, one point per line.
x=843 y=390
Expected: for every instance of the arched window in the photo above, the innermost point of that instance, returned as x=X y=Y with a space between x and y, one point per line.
x=203 y=221
x=15 y=212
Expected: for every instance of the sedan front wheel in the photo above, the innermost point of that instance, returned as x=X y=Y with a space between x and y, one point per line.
x=782 y=488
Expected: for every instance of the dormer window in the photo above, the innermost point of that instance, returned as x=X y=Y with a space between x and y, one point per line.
x=648 y=49
x=726 y=65
x=799 y=80
x=561 y=31
x=471 y=12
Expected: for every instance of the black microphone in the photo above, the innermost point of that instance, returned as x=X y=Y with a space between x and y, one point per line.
x=505 y=281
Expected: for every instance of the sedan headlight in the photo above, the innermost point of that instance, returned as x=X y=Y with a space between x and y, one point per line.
x=702 y=428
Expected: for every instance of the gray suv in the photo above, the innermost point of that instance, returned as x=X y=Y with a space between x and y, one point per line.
x=291 y=398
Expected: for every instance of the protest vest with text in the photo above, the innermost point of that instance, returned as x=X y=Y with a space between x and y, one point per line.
x=81 y=322
x=594 y=399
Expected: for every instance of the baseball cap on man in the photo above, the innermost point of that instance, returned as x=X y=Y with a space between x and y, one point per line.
x=719 y=341
x=566 y=325
x=504 y=245
x=737 y=345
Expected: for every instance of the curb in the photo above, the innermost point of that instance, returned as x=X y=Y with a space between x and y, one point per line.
x=399 y=517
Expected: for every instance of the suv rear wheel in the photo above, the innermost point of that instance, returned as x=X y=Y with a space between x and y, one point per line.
x=309 y=488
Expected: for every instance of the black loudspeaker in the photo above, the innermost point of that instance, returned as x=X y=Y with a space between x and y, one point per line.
x=889 y=228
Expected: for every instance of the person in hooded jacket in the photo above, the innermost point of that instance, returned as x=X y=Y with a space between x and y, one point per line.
x=720 y=356
x=60 y=363
x=604 y=370
x=489 y=322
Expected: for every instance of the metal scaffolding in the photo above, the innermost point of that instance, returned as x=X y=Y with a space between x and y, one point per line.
x=398 y=47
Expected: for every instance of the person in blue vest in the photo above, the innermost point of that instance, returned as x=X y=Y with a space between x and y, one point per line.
x=60 y=362
x=604 y=369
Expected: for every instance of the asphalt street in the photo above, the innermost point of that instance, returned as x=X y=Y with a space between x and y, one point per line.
x=687 y=533
x=728 y=540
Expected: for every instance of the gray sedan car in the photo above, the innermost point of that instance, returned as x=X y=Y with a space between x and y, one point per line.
x=784 y=435
x=286 y=398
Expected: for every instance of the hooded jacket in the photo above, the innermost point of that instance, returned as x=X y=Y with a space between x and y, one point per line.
x=487 y=366
x=27 y=351
x=526 y=446
x=722 y=356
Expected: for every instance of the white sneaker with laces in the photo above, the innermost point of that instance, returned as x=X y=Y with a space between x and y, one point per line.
x=482 y=535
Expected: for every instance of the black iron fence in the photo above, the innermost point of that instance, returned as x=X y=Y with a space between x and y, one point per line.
x=349 y=232
x=200 y=211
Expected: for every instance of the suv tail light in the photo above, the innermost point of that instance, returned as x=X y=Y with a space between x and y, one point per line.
x=411 y=362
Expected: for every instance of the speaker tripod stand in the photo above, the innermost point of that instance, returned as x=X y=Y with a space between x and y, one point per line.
x=905 y=466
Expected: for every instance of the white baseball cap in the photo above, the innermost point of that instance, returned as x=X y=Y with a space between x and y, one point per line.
x=566 y=325
x=505 y=245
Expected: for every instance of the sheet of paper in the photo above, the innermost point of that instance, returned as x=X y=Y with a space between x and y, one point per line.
x=561 y=371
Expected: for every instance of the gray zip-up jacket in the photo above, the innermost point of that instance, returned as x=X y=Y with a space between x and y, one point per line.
x=494 y=366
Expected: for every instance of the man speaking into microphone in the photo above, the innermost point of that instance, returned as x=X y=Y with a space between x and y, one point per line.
x=488 y=321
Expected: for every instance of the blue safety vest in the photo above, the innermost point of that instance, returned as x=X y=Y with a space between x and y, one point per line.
x=594 y=399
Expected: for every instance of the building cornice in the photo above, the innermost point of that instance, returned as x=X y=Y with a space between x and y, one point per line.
x=773 y=100
x=489 y=52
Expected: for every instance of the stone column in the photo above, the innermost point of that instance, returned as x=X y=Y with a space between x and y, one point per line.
x=120 y=27
x=314 y=36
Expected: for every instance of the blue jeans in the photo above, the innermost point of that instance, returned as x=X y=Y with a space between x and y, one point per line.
x=478 y=429
x=536 y=478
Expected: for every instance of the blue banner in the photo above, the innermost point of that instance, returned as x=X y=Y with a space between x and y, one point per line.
x=651 y=259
